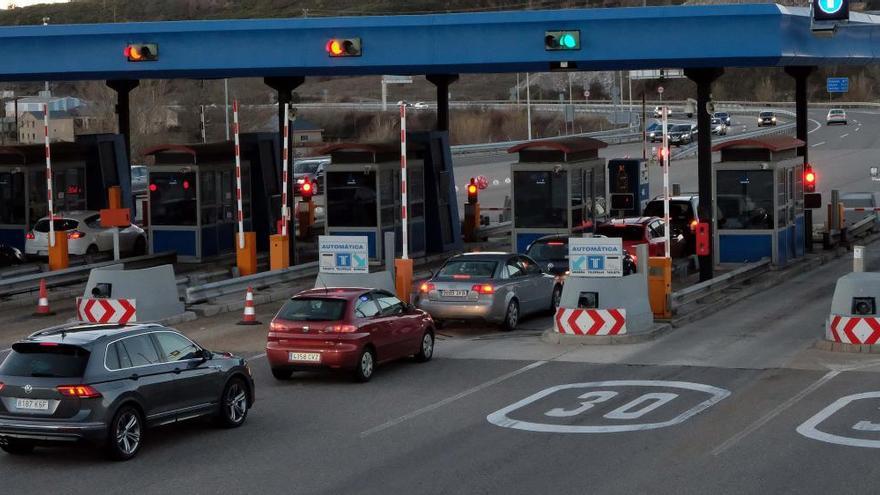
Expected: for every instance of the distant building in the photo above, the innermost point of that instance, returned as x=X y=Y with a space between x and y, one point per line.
x=31 y=127
x=305 y=133
x=35 y=104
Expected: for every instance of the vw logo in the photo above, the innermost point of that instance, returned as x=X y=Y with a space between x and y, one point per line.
x=28 y=389
x=306 y=329
x=830 y=6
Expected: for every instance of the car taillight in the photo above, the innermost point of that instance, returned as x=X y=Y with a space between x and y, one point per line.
x=276 y=327
x=30 y=236
x=342 y=329
x=426 y=287
x=483 y=289
x=694 y=224
x=1 y=386
x=461 y=277
x=75 y=234
x=78 y=391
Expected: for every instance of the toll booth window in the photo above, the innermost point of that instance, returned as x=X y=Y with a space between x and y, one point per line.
x=173 y=202
x=351 y=199
x=12 y=198
x=600 y=209
x=209 y=197
x=579 y=195
x=227 y=197
x=745 y=199
x=415 y=193
x=37 y=194
x=70 y=190
x=389 y=194
x=540 y=200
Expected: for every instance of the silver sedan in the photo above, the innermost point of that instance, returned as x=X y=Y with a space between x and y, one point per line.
x=497 y=288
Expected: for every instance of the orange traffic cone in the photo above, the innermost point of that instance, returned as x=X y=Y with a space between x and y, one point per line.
x=250 y=316
x=43 y=302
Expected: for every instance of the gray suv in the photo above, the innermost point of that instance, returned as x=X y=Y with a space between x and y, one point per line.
x=106 y=384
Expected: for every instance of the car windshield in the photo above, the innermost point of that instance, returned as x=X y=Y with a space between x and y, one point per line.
x=721 y=115
x=681 y=128
x=468 y=269
x=548 y=250
x=766 y=114
x=625 y=232
x=46 y=360
x=306 y=167
x=312 y=309
x=716 y=121
x=64 y=224
x=678 y=210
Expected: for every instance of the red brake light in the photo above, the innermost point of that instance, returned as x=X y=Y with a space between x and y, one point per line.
x=49 y=344
x=483 y=289
x=342 y=329
x=556 y=243
x=426 y=287
x=75 y=234
x=1 y=386
x=30 y=236
x=461 y=277
x=79 y=391
x=186 y=184
x=694 y=225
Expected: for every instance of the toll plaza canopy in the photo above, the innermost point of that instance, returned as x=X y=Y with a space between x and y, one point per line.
x=617 y=38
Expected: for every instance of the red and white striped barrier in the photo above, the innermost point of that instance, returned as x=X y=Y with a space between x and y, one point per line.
x=591 y=321
x=49 y=193
x=861 y=209
x=240 y=212
x=285 y=214
x=404 y=227
x=120 y=311
x=853 y=329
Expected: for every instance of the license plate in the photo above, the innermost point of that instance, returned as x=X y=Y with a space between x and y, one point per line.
x=308 y=357
x=42 y=253
x=454 y=293
x=32 y=404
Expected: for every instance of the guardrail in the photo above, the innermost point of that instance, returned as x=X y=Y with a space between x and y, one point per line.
x=69 y=276
x=859 y=229
x=611 y=136
x=203 y=293
x=496 y=230
x=696 y=292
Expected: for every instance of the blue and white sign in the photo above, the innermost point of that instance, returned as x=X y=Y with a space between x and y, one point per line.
x=838 y=84
x=343 y=254
x=595 y=257
x=830 y=7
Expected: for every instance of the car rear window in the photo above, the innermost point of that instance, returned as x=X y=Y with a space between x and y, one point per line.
x=836 y=112
x=313 y=309
x=766 y=114
x=625 y=232
x=469 y=269
x=49 y=361
x=65 y=224
x=552 y=250
x=678 y=210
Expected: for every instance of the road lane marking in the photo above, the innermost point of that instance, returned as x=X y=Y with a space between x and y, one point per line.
x=810 y=429
x=258 y=356
x=818 y=144
x=844 y=135
x=449 y=400
x=730 y=442
x=818 y=126
x=858 y=129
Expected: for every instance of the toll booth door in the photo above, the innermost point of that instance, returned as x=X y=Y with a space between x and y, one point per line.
x=13 y=221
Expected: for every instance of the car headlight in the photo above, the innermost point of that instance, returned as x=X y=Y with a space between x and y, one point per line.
x=651 y=135
x=773 y=119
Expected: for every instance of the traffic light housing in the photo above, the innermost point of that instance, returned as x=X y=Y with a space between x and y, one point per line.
x=307 y=190
x=662 y=155
x=141 y=52
x=344 y=47
x=472 y=190
x=703 y=246
x=830 y=10
x=809 y=179
x=562 y=40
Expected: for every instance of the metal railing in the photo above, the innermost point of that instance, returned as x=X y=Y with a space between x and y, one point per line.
x=696 y=292
x=205 y=292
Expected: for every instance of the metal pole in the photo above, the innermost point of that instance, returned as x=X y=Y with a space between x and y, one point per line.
x=226 y=93
x=284 y=171
x=49 y=193
x=665 y=154
x=384 y=95
x=202 y=123
x=570 y=95
x=238 y=175
x=517 y=88
x=403 y=225
x=644 y=127
x=529 y=106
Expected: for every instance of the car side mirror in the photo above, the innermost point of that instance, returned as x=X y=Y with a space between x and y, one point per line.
x=205 y=355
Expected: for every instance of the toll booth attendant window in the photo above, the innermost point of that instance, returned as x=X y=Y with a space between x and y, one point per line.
x=351 y=199
x=389 y=196
x=540 y=200
x=70 y=190
x=227 y=197
x=209 y=199
x=415 y=192
x=745 y=199
x=37 y=194
x=12 y=201
x=173 y=201
x=578 y=195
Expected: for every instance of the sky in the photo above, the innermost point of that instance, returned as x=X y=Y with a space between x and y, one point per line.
x=4 y=4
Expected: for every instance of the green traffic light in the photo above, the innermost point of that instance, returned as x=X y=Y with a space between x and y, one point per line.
x=568 y=41
x=562 y=40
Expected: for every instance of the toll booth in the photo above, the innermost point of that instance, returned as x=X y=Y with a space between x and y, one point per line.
x=192 y=198
x=759 y=200
x=558 y=187
x=362 y=194
x=628 y=187
x=82 y=172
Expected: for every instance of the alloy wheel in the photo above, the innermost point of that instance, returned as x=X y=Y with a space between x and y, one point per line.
x=128 y=432
x=236 y=403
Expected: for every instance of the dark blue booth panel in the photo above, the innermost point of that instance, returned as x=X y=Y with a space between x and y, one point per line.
x=13 y=237
x=744 y=248
x=210 y=241
x=800 y=232
x=226 y=237
x=523 y=240
x=181 y=241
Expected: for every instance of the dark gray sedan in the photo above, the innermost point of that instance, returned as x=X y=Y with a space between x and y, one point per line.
x=106 y=384
x=497 y=288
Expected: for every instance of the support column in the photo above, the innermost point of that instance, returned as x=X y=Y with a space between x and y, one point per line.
x=442 y=81
x=704 y=79
x=801 y=76
x=123 y=113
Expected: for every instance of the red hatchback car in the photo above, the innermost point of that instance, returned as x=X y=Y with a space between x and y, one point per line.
x=346 y=328
x=643 y=230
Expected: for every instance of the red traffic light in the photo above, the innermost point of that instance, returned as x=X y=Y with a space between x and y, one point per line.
x=349 y=47
x=809 y=179
x=141 y=52
x=307 y=189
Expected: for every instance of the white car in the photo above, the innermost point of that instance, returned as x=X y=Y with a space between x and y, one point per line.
x=835 y=116
x=84 y=235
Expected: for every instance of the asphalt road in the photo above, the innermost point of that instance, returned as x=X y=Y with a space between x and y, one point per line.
x=740 y=402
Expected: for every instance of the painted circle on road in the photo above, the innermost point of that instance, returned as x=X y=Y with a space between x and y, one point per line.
x=847 y=421
x=830 y=6
x=609 y=407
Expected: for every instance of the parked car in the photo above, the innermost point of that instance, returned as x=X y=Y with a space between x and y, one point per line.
x=138 y=179
x=683 y=216
x=643 y=230
x=352 y=329
x=655 y=131
x=84 y=235
x=766 y=118
x=497 y=288
x=106 y=384
x=835 y=116
x=719 y=128
x=551 y=253
x=311 y=170
x=724 y=117
x=682 y=134
x=10 y=256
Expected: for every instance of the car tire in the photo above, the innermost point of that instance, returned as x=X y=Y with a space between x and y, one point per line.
x=511 y=316
x=140 y=247
x=233 y=407
x=281 y=374
x=17 y=446
x=126 y=434
x=439 y=323
x=556 y=298
x=366 y=366
x=92 y=250
x=426 y=350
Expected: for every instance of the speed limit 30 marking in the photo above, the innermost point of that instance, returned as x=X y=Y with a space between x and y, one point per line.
x=609 y=406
